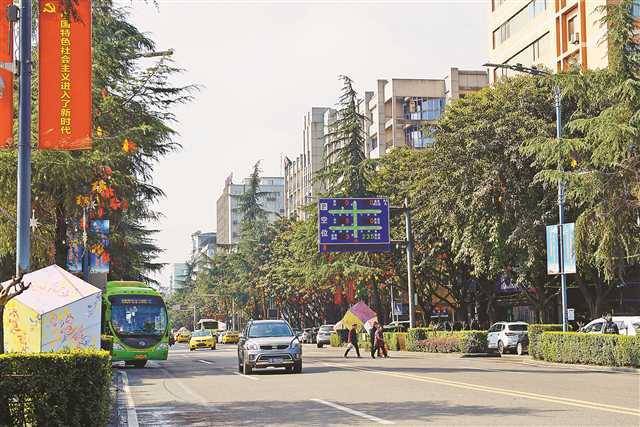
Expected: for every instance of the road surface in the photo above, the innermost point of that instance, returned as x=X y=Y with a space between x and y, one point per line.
x=204 y=387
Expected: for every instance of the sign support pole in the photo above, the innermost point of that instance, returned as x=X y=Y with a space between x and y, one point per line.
x=563 y=277
x=409 y=232
x=23 y=235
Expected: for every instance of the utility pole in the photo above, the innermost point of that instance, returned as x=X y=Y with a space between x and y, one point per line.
x=23 y=235
x=409 y=232
x=194 y=317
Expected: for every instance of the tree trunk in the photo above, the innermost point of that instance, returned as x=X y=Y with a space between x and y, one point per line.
x=61 y=237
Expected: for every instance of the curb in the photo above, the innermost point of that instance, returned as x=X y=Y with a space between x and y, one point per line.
x=470 y=355
x=616 y=369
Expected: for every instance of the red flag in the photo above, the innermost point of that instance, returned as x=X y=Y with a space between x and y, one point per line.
x=65 y=77
x=6 y=78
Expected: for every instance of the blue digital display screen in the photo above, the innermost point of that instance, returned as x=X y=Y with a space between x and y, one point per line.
x=353 y=224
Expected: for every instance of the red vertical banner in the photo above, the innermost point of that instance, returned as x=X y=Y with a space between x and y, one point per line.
x=65 y=77
x=6 y=78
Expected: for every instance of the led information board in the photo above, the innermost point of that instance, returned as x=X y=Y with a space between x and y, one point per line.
x=353 y=225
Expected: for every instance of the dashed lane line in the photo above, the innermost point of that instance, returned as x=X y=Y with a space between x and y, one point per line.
x=206 y=362
x=353 y=412
x=496 y=390
x=132 y=416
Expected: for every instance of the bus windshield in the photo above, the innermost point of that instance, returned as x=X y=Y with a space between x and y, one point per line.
x=134 y=315
x=208 y=324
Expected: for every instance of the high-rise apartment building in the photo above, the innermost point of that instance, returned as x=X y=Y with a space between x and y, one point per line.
x=203 y=243
x=179 y=273
x=301 y=188
x=399 y=109
x=228 y=213
x=556 y=34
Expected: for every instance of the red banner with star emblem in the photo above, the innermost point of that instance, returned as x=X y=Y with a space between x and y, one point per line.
x=65 y=77
x=6 y=78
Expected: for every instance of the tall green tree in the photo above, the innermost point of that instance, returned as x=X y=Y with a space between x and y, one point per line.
x=347 y=172
x=600 y=158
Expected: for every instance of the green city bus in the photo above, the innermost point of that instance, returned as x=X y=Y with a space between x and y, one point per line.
x=135 y=317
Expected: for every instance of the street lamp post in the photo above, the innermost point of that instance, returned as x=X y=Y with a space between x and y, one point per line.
x=534 y=71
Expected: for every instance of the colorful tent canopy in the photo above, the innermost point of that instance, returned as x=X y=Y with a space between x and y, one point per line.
x=359 y=314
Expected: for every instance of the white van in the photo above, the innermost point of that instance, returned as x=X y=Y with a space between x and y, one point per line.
x=627 y=325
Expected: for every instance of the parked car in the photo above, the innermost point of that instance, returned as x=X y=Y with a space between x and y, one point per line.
x=231 y=337
x=504 y=336
x=324 y=335
x=269 y=343
x=522 y=346
x=202 y=338
x=397 y=326
x=627 y=325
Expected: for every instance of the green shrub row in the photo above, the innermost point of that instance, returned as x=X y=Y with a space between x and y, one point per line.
x=55 y=389
x=590 y=349
x=428 y=340
x=334 y=339
x=535 y=333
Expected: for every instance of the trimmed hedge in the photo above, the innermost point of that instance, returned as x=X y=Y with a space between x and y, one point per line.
x=335 y=341
x=430 y=341
x=55 y=389
x=535 y=332
x=590 y=349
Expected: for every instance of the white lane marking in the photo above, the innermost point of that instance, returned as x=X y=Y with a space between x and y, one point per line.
x=187 y=390
x=353 y=412
x=207 y=362
x=132 y=416
x=245 y=376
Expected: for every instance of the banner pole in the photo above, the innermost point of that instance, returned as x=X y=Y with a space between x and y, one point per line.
x=23 y=235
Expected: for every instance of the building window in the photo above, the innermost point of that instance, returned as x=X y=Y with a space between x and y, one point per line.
x=635 y=8
x=571 y=26
x=418 y=108
x=518 y=21
x=373 y=142
x=415 y=137
x=536 y=7
x=496 y=4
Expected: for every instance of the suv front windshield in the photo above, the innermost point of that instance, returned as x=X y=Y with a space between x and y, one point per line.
x=270 y=329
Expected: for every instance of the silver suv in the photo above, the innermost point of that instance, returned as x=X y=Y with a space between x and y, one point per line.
x=269 y=344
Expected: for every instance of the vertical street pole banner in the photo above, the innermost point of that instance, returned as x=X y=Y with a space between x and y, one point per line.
x=553 y=250
x=6 y=77
x=75 y=247
x=65 y=77
x=99 y=252
x=568 y=248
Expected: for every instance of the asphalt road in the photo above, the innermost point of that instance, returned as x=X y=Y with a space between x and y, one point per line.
x=204 y=388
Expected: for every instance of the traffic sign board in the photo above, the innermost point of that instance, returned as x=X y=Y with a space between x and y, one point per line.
x=353 y=224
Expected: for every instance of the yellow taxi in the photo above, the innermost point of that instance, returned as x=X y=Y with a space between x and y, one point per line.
x=183 y=335
x=231 y=337
x=202 y=339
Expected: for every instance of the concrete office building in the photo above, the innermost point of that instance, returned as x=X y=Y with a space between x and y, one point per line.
x=203 y=244
x=399 y=109
x=300 y=186
x=228 y=215
x=556 y=34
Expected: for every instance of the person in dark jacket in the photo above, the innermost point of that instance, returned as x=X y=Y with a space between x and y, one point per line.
x=352 y=341
x=372 y=339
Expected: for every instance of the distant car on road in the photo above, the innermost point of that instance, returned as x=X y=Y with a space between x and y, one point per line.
x=627 y=325
x=504 y=336
x=202 y=338
x=324 y=335
x=183 y=335
x=308 y=336
x=231 y=337
x=269 y=343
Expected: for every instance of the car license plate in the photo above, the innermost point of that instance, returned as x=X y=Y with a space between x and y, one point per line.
x=276 y=360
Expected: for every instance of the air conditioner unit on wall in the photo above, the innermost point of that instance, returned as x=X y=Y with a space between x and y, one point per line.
x=574 y=38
